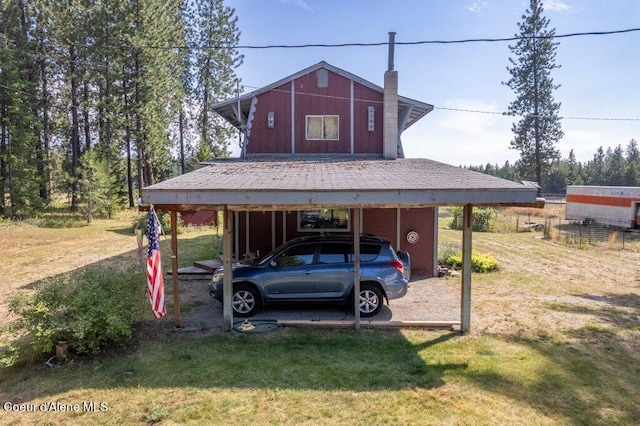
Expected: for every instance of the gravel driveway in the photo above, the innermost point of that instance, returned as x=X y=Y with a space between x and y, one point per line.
x=427 y=299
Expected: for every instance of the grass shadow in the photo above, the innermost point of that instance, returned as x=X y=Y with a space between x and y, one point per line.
x=296 y=359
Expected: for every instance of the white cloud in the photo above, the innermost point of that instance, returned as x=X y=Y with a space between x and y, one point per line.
x=477 y=6
x=556 y=6
x=300 y=3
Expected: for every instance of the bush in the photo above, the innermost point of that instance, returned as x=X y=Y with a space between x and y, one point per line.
x=479 y=262
x=90 y=310
x=482 y=221
x=165 y=223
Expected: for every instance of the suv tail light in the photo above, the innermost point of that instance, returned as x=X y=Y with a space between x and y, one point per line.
x=397 y=264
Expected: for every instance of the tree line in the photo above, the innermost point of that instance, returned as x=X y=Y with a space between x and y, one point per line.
x=99 y=97
x=614 y=166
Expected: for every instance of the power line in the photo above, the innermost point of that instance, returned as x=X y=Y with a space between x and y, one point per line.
x=397 y=43
x=369 y=44
x=561 y=118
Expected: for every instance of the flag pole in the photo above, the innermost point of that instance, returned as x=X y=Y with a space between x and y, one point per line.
x=177 y=322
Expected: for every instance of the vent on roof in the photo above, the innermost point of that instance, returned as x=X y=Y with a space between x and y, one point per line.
x=323 y=77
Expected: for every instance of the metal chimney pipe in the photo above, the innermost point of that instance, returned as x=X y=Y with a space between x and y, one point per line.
x=392 y=42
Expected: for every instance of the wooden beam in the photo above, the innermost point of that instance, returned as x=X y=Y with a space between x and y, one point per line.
x=177 y=322
x=372 y=324
x=539 y=204
x=465 y=316
x=356 y=267
x=227 y=282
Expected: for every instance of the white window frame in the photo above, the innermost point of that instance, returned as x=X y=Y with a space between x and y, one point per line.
x=323 y=138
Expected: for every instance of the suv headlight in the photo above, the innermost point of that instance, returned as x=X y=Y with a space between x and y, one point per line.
x=218 y=276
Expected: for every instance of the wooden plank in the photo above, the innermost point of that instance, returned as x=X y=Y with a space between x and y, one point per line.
x=465 y=317
x=177 y=321
x=372 y=324
x=356 y=267
x=207 y=265
x=227 y=286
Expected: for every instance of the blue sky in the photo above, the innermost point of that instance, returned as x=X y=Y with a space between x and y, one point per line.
x=599 y=75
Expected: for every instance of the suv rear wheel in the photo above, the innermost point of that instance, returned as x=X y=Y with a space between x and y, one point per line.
x=370 y=300
x=245 y=300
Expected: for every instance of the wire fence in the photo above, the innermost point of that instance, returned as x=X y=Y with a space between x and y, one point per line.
x=578 y=234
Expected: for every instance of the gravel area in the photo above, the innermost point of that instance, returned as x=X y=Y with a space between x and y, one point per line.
x=427 y=299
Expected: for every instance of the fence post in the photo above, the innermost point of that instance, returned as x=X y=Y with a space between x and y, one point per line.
x=580 y=235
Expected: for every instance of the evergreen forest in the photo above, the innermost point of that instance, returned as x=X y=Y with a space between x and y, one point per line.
x=99 y=98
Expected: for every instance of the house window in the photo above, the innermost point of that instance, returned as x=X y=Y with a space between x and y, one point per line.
x=326 y=220
x=322 y=127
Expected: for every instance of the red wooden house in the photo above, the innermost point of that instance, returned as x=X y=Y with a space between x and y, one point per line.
x=326 y=112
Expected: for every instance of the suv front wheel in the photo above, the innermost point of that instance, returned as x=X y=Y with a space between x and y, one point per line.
x=245 y=301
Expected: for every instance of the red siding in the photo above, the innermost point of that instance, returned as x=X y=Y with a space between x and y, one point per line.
x=383 y=223
x=367 y=142
x=332 y=100
x=199 y=218
x=312 y=100
x=277 y=139
x=379 y=222
x=422 y=252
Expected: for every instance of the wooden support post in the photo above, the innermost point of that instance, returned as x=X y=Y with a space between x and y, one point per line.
x=227 y=264
x=177 y=322
x=465 y=319
x=356 y=266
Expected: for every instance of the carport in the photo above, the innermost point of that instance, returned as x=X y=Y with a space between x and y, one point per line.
x=308 y=182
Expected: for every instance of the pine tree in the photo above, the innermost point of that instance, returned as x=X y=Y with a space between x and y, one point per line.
x=615 y=165
x=216 y=34
x=19 y=126
x=574 y=170
x=632 y=172
x=539 y=128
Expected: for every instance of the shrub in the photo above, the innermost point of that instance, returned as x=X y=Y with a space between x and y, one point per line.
x=482 y=221
x=165 y=223
x=90 y=310
x=479 y=262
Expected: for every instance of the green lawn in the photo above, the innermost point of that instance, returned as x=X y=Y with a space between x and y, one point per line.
x=555 y=340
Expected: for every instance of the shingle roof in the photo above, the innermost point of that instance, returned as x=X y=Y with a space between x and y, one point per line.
x=297 y=183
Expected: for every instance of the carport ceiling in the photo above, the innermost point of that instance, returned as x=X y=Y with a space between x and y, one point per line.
x=297 y=183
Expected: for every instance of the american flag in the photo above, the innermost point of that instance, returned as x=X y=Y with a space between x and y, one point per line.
x=155 y=280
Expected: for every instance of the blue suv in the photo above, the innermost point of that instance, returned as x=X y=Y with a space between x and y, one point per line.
x=318 y=269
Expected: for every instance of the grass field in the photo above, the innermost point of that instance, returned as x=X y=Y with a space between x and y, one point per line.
x=554 y=340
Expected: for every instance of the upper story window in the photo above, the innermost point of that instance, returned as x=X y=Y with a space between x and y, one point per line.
x=323 y=127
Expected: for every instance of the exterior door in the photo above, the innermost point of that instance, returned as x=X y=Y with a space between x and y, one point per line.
x=291 y=274
x=334 y=273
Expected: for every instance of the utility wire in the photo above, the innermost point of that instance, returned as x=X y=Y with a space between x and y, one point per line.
x=561 y=118
x=397 y=43
x=374 y=44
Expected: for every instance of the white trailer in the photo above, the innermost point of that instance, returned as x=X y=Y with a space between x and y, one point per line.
x=608 y=205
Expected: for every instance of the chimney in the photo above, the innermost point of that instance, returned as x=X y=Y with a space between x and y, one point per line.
x=390 y=107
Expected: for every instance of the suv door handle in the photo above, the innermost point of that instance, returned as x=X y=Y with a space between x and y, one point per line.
x=307 y=272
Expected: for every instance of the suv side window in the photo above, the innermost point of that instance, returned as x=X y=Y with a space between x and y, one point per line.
x=298 y=255
x=368 y=252
x=334 y=252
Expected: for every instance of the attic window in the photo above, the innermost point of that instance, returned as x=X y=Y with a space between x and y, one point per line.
x=323 y=78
